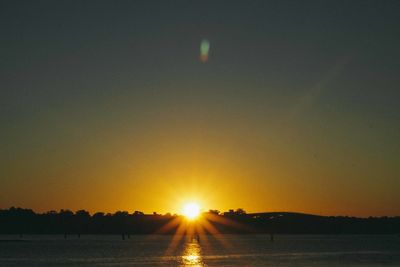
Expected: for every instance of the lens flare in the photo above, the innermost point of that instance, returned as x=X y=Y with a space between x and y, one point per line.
x=204 y=50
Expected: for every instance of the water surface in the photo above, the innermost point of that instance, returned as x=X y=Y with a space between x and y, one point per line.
x=218 y=250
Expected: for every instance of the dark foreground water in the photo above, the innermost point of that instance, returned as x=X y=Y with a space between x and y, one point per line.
x=219 y=250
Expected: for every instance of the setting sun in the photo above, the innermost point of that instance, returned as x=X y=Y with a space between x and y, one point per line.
x=191 y=210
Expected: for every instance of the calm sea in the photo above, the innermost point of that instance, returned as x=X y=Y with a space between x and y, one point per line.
x=218 y=250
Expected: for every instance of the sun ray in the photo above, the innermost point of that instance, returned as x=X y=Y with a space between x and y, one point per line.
x=225 y=221
x=193 y=225
x=202 y=234
x=213 y=231
x=174 y=223
x=176 y=238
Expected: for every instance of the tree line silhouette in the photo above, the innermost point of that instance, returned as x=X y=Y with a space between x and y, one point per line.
x=26 y=221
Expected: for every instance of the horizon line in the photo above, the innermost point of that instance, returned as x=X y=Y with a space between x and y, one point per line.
x=236 y=211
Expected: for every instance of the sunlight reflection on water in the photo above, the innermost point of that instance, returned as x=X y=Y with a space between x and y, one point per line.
x=192 y=255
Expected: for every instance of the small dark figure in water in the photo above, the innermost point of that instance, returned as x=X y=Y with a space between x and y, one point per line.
x=65 y=235
x=123 y=236
x=196 y=237
x=271 y=237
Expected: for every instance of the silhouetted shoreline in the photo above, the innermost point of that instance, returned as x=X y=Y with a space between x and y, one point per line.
x=25 y=221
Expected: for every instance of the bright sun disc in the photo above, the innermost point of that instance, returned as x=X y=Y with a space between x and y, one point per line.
x=191 y=210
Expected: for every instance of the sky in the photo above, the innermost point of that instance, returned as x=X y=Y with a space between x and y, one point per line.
x=110 y=105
